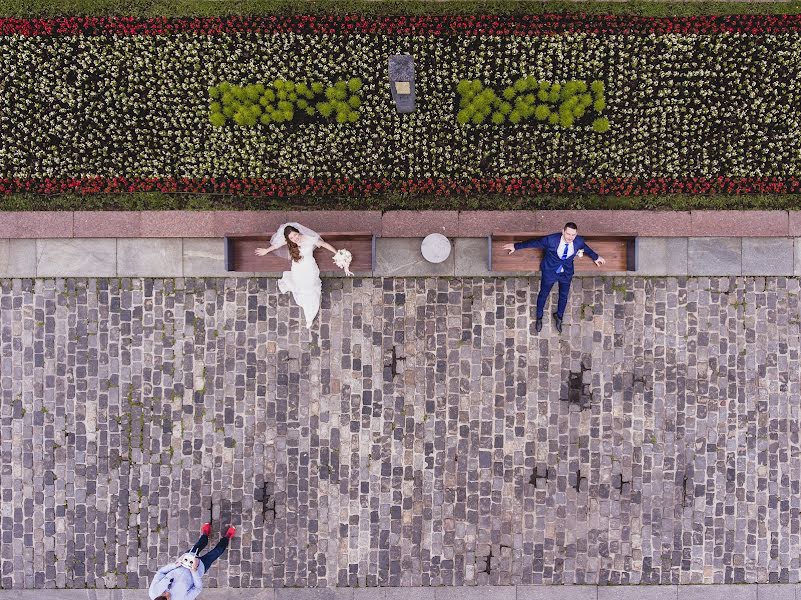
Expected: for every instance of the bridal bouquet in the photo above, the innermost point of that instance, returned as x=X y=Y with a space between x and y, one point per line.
x=342 y=259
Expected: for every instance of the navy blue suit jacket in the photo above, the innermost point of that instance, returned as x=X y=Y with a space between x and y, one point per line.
x=551 y=261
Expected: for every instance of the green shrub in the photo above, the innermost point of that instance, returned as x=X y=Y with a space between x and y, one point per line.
x=601 y=124
x=599 y=105
x=509 y=93
x=355 y=101
x=265 y=119
x=317 y=87
x=217 y=119
x=253 y=93
x=214 y=92
x=354 y=84
x=498 y=118
x=325 y=109
x=514 y=117
x=543 y=95
x=553 y=118
x=542 y=112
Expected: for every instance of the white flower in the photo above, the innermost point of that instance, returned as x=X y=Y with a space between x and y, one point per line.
x=342 y=259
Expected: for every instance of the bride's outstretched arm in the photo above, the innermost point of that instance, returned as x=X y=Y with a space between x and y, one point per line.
x=323 y=244
x=265 y=251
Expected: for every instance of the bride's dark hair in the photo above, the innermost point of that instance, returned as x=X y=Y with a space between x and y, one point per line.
x=292 y=247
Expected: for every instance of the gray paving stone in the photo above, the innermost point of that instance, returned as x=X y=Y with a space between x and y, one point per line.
x=638 y=592
x=768 y=256
x=314 y=594
x=90 y=257
x=369 y=593
x=471 y=257
x=410 y=593
x=204 y=257
x=401 y=257
x=17 y=258
x=661 y=256
x=797 y=261
x=554 y=592
x=150 y=257
x=714 y=256
x=420 y=435
x=480 y=592
x=718 y=592
x=776 y=591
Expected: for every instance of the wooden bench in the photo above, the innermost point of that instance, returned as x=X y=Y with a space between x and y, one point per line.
x=240 y=253
x=619 y=250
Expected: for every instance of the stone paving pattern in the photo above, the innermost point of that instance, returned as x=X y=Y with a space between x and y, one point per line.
x=421 y=434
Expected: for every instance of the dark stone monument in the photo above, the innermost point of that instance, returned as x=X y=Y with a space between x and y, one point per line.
x=401 y=82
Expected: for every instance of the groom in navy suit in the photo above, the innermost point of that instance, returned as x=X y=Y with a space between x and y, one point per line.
x=559 y=250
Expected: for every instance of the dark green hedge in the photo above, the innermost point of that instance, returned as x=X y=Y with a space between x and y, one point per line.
x=155 y=201
x=149 y=8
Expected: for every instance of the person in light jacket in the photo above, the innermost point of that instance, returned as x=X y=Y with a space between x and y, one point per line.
x=182 y=580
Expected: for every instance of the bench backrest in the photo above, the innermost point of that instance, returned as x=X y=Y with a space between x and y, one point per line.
x=619 y=250
x=240 y=253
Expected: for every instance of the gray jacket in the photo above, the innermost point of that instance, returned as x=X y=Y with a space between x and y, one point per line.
x=182 y=583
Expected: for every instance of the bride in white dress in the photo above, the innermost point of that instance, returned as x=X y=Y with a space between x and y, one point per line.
x=296 y=242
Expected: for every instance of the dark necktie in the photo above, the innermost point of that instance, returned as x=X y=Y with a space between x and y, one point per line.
x=564 y=257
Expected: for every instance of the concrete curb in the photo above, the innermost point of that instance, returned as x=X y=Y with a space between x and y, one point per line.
x=520 y=592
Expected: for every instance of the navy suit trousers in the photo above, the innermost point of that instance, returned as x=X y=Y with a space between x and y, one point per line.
x=546 y=283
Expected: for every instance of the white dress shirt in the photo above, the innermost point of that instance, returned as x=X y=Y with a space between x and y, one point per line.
x=561 y=249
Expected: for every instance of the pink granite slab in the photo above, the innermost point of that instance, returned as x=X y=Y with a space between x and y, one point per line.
x=481 y=223
x=36 y=224
x=740 y=223
x=342 y=221
x=415 y=223
x=179 y=223
x=107 y=224
x=795 y=223
x=643 y=223
x=252 y=221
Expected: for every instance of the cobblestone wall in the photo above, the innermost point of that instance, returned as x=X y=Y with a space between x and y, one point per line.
x=421 y=435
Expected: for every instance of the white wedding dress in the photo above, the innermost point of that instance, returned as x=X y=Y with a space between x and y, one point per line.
x=303 y=281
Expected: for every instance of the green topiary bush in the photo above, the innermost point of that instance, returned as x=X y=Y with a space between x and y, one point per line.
x=559 y=103
x=281 y=100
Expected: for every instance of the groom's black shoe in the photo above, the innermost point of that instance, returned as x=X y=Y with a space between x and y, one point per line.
x=538 y=326
x=558 y=322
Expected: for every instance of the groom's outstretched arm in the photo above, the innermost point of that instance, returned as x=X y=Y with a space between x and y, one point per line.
x=593 y=254
x=538 y=243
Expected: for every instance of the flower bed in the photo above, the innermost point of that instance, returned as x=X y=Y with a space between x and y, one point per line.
x=694 y=105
